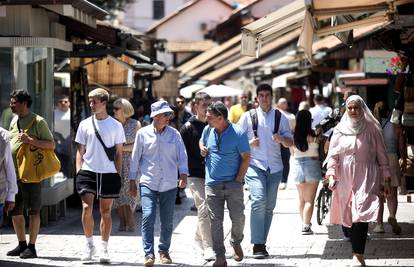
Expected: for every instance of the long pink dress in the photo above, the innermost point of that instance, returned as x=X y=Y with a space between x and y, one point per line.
x=357 y=162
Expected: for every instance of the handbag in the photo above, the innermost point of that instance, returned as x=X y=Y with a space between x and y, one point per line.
x=111 y=151
x=35 y=164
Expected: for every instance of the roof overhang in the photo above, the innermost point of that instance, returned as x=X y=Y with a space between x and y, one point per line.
x=80 y=10
x=35 y=42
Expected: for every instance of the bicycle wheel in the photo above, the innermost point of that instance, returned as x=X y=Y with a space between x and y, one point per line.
x=319 y=206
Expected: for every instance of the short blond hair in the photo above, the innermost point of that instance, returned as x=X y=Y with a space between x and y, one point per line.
x=99 y=94
x=125 y=106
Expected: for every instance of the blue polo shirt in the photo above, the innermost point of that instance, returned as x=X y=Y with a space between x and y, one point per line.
x=223 y=159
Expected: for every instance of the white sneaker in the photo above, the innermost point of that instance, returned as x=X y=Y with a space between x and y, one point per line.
x=209 y=254
x=104 y=256
x=282 y=186
x=379 y=228
x=87 y=255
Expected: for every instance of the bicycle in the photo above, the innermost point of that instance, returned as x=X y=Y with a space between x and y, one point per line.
x=323 y=202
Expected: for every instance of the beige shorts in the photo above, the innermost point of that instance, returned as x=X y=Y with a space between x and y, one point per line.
x=394 y=169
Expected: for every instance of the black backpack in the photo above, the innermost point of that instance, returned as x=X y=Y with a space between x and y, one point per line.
x=255 y=122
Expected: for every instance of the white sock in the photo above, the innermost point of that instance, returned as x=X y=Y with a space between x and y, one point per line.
x=104 y=245
x=89 y=240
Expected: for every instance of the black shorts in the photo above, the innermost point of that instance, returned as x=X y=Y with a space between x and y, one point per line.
x=105 y=185
x=29 y=196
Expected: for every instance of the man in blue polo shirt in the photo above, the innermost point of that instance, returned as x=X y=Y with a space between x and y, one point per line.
x=227 y=153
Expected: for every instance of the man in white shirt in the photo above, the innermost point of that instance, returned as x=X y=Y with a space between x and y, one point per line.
x=266 y=167
x=98 y=169
x=282 y=105
x=320 y=111
x=8 y=181
x=158 y=155
x=62 y=133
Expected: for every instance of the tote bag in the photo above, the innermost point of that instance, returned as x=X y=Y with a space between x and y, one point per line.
x=36 y=164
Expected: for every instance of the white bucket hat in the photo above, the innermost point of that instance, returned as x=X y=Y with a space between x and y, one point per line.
x=160 y=107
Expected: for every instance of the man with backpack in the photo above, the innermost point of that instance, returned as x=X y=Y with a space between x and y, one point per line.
x=267 y=129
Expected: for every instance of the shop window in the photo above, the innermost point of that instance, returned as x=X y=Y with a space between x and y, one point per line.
x=5 y=85
x=158 y=9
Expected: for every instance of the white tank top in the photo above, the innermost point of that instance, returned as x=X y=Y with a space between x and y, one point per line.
x=313 y=151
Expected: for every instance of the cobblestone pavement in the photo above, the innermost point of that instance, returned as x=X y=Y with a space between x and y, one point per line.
x=60 y=243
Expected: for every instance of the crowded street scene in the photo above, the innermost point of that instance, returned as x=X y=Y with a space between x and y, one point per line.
x=206 y=133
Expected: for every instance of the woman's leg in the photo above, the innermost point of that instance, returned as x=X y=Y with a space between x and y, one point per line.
x=300 y=188
x=309 y=194
x=359 y=238
x=129 y=218
x=121 y=215
x=392 y=202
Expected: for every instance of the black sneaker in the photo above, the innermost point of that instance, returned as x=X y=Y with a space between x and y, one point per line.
x=28 y=254
x=16 y=251
x=259 y=251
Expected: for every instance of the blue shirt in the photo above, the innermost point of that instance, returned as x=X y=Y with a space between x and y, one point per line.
x=267 y=154
x=223 y=159
x=157 y=158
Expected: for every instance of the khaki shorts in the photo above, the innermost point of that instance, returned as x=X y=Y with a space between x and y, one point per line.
x=394 y=169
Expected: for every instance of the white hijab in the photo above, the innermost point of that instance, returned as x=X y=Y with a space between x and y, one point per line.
x=351 y=126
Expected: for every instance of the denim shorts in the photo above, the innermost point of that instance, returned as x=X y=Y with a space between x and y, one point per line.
x=306 y=170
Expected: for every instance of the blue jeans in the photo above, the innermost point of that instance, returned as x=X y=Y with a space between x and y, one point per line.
x=1 y=210
x=149 y=199
x=263 y=192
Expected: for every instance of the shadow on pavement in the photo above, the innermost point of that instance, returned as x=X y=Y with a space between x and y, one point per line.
x=71 y=224
x=379 y=246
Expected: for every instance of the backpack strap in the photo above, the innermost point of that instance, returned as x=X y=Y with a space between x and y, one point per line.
x=278 y=114
x=255 y=121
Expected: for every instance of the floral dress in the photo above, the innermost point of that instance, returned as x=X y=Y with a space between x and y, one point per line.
x=130 y=129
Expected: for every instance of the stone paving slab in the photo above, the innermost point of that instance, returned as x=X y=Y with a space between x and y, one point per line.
x=60 y=243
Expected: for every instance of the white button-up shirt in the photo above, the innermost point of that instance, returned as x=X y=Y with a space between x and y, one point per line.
x=267 y=154
x=157 y=158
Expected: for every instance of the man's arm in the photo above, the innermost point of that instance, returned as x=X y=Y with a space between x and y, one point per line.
x=79 y=157
x=43 y=144
x=11 y=179
x=118 y=158
x=244 y=165
x=134 y=165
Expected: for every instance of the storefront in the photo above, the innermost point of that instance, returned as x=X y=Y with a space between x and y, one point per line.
x=33 y=44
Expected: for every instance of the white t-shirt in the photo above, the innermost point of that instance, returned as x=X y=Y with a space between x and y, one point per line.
x=62 y=122
x=319 y=112
x=95 y=158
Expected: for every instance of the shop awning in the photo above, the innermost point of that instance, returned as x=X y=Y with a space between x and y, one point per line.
x=219 y=90
x=366 y=82
x=188 y=91
x=344 y=16
x=271 y=26
x=189 y=46
x=331 y=42
x=242 y=60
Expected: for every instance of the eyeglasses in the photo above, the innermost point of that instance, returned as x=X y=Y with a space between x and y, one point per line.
x=167 y=114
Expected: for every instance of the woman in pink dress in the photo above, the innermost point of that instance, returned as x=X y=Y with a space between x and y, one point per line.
x=355 y=163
